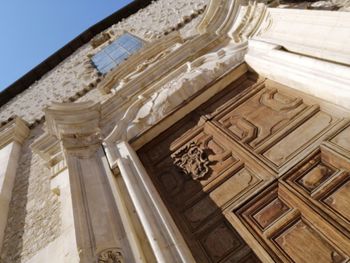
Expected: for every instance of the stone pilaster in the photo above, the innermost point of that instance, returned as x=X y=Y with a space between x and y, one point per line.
x=11 y=138
x=165 y=239
x=98 y=227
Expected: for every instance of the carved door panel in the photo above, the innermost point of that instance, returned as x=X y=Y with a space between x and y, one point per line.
x=257 y=165
x=305 y=216
x=290 y=230
x=198 y=175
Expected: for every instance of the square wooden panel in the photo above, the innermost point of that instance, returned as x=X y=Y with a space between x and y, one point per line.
x=301 y=242
x=241 y=182
x=338 y=199
x=297 y=144
x=271 y=212
x=250 y=258
x=290 y=230
x=259 y=115
x=221 y=240
x=275 y=126
x=323 y=180
x=342 y=139
x=310 y=175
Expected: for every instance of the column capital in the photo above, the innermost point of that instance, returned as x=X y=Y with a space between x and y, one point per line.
x=16 y=130
x=76 y=125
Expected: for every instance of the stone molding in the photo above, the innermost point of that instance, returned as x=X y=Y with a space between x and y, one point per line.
x=323 y=79
x=17 y=130
x=76 y=125
x=72 y=127
x=313 y=33
x=163 y=235
x=221 y=47
x=151 y=53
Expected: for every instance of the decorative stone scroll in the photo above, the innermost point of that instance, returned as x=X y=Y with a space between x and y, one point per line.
x=192 y=161
x=110 y=255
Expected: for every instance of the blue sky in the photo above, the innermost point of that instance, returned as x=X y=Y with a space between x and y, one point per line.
x=33 y=30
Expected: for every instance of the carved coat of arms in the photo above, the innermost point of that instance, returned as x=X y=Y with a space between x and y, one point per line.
x=192 y=161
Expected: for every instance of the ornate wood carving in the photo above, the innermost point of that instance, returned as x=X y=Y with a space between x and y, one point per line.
x=287 y=225
x=323 y=179
x=192 y=161
x=276 y=164
x=248 y=122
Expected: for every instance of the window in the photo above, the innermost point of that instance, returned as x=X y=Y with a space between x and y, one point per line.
x=115 y=53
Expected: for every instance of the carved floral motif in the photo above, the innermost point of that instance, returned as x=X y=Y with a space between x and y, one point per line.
x=192 y=161
x=111 y=255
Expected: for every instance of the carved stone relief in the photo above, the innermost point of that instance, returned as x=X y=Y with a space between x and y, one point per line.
x=100 y=39
x=111 y=255
x=169 y=93
x=143 y=66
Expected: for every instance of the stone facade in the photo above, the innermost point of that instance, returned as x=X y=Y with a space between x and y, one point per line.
x=34 y=219
x=76 y=76
x=78 y=172
x=34 y=216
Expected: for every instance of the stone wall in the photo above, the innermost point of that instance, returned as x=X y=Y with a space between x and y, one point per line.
x=33 y=219
x=75 y=76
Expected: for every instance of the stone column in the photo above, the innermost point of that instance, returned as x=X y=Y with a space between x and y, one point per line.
x=164 y=237
x=99 y=231
x=11 y=137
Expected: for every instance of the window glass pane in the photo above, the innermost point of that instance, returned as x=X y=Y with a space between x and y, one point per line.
x=107 y=68
x=115 y=53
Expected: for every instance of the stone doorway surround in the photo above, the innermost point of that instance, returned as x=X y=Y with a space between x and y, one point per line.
x=117 y=213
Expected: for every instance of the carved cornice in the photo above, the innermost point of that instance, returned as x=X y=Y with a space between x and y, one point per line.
x=16 y=130
x=76 y=125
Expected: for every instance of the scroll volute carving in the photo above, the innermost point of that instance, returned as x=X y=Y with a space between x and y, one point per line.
x=111 y=255
x=192 y=161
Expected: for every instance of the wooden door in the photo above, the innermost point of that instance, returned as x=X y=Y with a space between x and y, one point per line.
x=258 y=173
